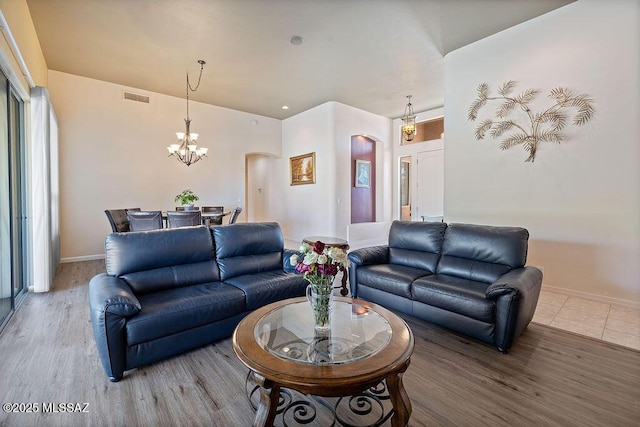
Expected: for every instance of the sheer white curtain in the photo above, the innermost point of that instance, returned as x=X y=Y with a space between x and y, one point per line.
x=45 y=223
x=5 y=204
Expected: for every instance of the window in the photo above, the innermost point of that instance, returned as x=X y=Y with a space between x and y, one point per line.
x=13 y=228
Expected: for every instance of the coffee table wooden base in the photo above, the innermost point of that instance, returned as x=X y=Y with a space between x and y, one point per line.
x=271 y=403
x=276 y=376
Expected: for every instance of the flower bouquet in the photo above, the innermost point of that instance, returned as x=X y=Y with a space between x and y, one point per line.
x=320 y=264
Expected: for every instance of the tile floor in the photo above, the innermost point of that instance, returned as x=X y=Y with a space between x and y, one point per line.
x=616 y=324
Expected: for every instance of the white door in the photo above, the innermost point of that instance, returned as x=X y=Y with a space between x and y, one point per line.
x=429 y=200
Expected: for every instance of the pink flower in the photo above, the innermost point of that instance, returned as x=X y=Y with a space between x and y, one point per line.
x=303 y=268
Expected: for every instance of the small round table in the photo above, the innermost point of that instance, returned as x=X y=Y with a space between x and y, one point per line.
x=333 y=242
x=365 y=345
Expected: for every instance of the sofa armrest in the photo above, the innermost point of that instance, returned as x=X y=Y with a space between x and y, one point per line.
x=371 y=255
x=111 y=302
x=516 y=295
x=523 y=280
x=286 y=261
x=365 y=256
x=112 y=295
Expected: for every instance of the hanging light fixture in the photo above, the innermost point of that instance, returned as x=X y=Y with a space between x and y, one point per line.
x=408 y=122
x=187 y=150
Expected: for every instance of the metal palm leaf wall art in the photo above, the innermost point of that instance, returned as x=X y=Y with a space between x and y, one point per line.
x=544 y=126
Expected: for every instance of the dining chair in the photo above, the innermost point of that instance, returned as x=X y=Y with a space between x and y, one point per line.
x=144 y=220
x=118 y=220
x=216 y=220
x=234 y=215
x=177 y=219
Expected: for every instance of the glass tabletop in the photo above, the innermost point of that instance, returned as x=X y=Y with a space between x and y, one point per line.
x=356 y=333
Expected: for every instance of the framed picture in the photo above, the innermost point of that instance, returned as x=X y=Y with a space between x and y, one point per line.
x=303 y=169
x=363 y=173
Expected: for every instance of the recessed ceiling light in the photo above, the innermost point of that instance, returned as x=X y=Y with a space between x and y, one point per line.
x=295 y=40
x=284 y=107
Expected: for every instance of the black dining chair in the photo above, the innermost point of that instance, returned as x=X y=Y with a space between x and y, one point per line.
x=144 y=220
x=118 y=220
x=177 y=219
x=234 y=215
x=216 y=220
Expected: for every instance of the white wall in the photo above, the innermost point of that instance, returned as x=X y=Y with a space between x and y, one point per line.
x=323 y=208
x=580 y=200
x=113 y=155
x=304 y=210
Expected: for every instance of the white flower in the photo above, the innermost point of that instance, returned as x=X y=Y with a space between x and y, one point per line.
x=322 y=259
x=310 y=258
x=339 y=256
x=294 y=259
x=304 y=248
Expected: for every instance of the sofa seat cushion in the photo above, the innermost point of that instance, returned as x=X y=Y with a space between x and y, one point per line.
x=176 y=310
x=462 y=296
x=269 y=286
x=392 y=278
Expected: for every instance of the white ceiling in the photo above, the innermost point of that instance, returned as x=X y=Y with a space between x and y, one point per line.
x=368 y=54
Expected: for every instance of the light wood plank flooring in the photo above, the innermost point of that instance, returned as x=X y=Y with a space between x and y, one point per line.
x=550 y=377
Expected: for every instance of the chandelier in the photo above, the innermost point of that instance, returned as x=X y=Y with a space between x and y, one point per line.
x=187 y=150
x=408 y=122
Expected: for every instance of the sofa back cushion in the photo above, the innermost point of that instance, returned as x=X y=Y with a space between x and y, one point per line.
x=416 y=244
x=248 y=248
x=151 y=261
x=481 y=252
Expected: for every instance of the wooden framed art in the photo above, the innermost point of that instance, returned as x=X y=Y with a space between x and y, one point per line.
x=363 y=173
x=303 y=169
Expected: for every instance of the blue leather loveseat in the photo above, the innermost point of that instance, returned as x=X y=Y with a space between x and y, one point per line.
x=468 y=278
x=173 y=290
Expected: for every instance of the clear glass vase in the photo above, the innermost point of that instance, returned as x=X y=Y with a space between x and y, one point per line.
x=320 y=296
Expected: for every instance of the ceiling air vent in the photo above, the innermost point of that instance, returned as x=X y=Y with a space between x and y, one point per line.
x=135 y=97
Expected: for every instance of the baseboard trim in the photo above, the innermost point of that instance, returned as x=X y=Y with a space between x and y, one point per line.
x=81 y=258
x=594 y=297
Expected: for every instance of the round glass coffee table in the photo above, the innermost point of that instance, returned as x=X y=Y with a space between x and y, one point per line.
x=367 y=348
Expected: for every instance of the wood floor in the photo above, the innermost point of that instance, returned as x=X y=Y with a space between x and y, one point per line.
x=550 y=377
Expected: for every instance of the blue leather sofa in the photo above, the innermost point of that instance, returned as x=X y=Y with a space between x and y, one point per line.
x=468 y=278
x=169 y=291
